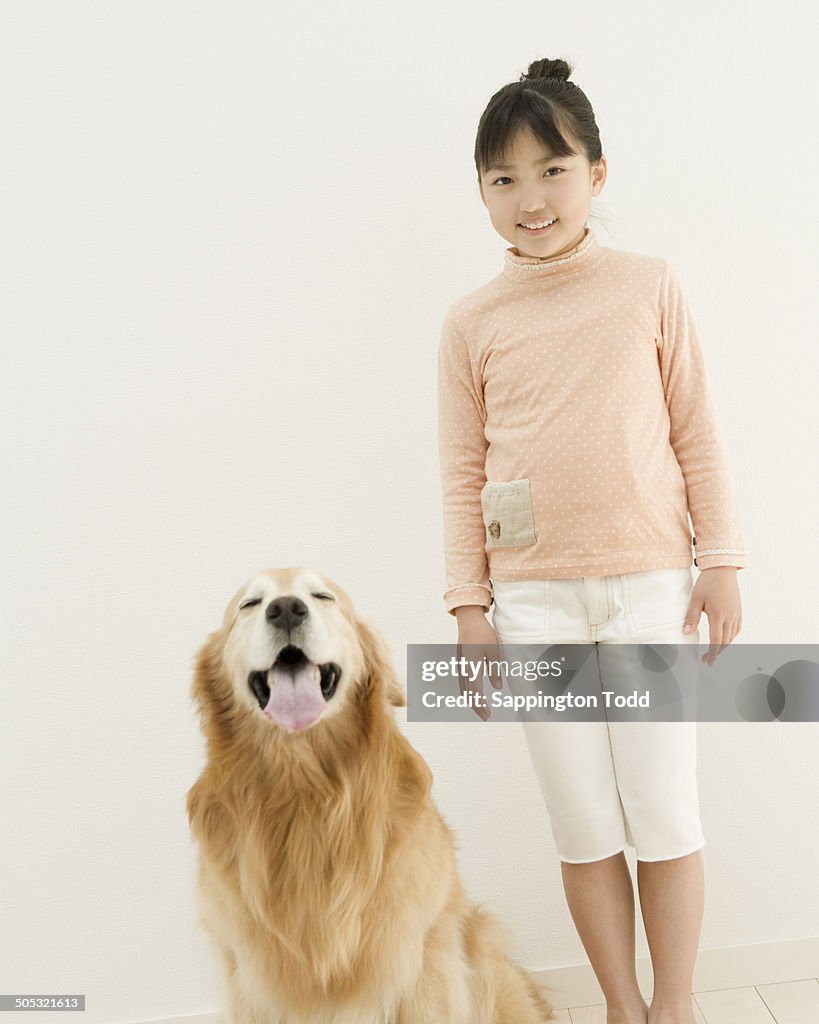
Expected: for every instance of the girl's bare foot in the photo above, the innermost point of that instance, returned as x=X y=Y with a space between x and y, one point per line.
x=632 y=1015
x=681 y=1012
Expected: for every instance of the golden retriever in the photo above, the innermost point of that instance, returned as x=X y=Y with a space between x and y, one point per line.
x=327 y=877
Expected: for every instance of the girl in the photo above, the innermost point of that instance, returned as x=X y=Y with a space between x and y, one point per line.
x=576 y=436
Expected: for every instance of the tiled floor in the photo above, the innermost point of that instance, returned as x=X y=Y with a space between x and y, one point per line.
x=792 y=1002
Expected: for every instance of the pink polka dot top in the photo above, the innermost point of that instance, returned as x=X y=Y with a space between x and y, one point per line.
x=576 y=428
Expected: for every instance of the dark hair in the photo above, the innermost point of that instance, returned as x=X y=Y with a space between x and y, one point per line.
x=546 y=103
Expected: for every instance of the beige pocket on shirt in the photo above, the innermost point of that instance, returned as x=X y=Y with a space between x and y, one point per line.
x=507 y=514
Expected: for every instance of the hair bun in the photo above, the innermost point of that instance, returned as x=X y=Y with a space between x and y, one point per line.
x=546 y=68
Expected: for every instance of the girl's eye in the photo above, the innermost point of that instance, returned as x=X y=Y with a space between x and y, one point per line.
x=251 y=600
x=547 y=172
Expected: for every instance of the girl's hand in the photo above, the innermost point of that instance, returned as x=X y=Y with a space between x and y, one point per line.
x=475 y=631
x=716 y=593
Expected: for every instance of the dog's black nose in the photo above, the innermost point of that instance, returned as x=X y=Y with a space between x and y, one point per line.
x=286 y=612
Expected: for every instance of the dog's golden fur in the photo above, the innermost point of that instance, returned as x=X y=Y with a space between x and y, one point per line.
x=327 y=877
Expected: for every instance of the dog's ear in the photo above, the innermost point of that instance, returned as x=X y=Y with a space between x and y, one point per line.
x=210 y=691
x=396 y=694
x=378 y=664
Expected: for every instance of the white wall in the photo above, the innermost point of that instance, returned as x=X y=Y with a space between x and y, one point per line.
x=231 y=234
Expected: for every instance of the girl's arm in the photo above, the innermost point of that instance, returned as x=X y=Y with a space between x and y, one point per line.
x=695 y=434
x=462 y=456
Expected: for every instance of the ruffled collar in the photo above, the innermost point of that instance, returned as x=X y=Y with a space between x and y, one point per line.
x=532 y=268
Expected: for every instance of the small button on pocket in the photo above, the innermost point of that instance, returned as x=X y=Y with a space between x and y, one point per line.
x=507 y=514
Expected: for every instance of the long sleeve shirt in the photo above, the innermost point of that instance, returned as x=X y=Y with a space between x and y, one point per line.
x=576 y=427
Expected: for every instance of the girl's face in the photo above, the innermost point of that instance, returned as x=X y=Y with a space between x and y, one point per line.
x=532 y=187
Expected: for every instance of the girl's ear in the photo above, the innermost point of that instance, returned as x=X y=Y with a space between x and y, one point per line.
x=378 y=664
x=599 y=171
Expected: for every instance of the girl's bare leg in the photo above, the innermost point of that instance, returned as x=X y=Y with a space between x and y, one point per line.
x=672 y=896
x=601 y=901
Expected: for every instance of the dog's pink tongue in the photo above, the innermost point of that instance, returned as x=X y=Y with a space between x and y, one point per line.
x=295 y=695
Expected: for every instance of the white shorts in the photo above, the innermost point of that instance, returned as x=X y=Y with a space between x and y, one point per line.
x=608 y=785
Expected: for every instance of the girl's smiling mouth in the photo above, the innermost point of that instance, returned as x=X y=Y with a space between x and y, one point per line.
x=543 y=227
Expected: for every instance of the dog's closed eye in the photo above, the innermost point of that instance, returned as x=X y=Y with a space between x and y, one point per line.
x=257 y=600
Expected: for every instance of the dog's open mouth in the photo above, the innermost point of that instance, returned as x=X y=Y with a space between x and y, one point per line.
x=295 y=691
